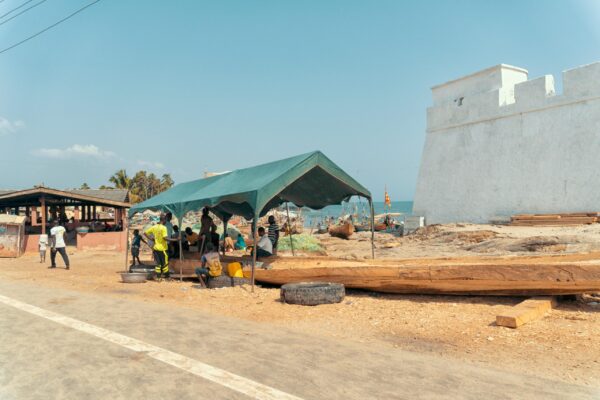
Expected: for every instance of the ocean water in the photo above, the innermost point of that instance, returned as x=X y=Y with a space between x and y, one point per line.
x=361 y=208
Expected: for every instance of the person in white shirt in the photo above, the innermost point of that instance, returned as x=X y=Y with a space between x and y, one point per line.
x=43 y=242
x=57 y=235
x=264 y=247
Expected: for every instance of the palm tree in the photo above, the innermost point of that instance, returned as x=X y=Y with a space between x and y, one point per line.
x=120 y=180
x=166 y=182
x=84 y=186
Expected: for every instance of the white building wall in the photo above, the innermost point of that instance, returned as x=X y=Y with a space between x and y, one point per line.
x=498 y=144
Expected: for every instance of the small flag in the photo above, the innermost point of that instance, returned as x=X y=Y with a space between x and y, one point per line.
x=387 y=202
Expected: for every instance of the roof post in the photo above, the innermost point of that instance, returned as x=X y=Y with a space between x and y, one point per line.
x=43 y=207
x=254 y=250
x=372 y=228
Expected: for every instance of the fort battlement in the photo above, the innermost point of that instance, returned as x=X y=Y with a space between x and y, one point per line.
x=503 y=90
x=499 y=143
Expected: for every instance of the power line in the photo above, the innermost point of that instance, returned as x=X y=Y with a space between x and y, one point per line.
x=22 y=12
x=15 y=9
x=49 y=27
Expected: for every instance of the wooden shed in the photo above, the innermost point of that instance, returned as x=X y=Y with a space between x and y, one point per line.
x=12 y=231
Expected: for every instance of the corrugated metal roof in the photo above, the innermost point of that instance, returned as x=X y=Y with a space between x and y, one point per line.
x=11 y=219
x=121 y=195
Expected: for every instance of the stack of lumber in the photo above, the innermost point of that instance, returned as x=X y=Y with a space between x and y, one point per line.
x=555 y=219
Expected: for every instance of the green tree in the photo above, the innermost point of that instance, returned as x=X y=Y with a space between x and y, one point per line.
x=84 y=186
x=120 y=180
x=166 y=182
x=142 y=186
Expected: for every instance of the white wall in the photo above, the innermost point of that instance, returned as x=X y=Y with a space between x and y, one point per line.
x=498 y=144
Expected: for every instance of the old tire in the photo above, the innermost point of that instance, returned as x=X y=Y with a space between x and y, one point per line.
x=219 y=282
x=312 y=293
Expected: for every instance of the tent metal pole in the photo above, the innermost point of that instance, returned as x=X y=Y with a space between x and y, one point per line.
x=180 y=220
x=287 y=208
x=127 y=246
x=254 y=250
x=372 y=228
x=224 y=234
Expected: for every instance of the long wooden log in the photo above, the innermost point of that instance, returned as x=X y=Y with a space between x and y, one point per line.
x=521 y=277
x=505 y=280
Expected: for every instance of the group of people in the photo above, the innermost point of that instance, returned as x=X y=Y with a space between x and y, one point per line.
x=57 y=244
x=164 y=238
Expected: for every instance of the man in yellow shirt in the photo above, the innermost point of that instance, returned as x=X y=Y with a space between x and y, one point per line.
x=158 y=234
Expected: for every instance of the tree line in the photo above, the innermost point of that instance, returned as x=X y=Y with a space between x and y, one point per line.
x=141 y=186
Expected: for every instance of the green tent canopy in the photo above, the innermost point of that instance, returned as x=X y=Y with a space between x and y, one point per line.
x=310 y=180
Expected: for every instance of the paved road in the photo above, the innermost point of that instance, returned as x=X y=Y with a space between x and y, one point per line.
x=46 y=356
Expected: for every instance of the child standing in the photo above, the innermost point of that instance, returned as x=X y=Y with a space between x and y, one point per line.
x=42 y=244
x=273 y=233
x=135 y=246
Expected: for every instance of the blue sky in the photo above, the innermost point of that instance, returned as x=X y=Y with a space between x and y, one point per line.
x=190 y=86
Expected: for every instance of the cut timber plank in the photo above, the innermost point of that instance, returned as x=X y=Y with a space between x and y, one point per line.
x=473 y=279
x=526 y=311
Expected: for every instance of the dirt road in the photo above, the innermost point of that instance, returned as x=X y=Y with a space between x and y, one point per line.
x=40 y=358
x=561 y=346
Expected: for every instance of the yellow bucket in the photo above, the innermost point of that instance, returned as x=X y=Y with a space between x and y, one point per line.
x=234 y=270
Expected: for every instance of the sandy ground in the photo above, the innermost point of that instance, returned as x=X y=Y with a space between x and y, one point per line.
x=460 y=240
x=47 y=360
x=563 y=345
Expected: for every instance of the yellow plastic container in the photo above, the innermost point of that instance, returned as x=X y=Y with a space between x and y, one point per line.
x=234 y=270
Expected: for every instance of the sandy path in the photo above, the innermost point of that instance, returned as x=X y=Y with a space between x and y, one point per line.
x=564 y=342
x=46 y=360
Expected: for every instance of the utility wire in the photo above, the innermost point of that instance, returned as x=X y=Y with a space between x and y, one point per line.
x=15 y=9
x=22 y=12
x=49 y=27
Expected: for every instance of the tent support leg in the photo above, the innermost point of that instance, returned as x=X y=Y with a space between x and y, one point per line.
x=287 y=208
x=224 y=234
x=180 y=220
x=127 y=248
x=372 y=228
x=254 y=249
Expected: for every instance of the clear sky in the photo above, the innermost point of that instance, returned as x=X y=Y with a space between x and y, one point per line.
x=190 y=86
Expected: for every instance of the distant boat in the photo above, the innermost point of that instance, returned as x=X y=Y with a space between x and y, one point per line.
x=362 y=227
x=344 y=230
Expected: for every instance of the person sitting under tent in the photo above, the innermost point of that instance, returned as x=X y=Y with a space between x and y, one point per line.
x=228 y=245
x=240 y=243
x=264 y=247
x=211 y=265
x=214 y=236
x=191 y=239
x=174 y=245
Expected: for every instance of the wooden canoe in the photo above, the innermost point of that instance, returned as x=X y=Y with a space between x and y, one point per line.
x=496 y=280
x=362 y=228
x=380 y=227
x=343 y=231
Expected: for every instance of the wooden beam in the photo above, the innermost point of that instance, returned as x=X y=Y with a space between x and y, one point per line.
x=526 y=311
x=44 y=213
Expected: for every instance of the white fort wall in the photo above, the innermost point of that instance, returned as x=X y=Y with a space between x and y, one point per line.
x=498 y=144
